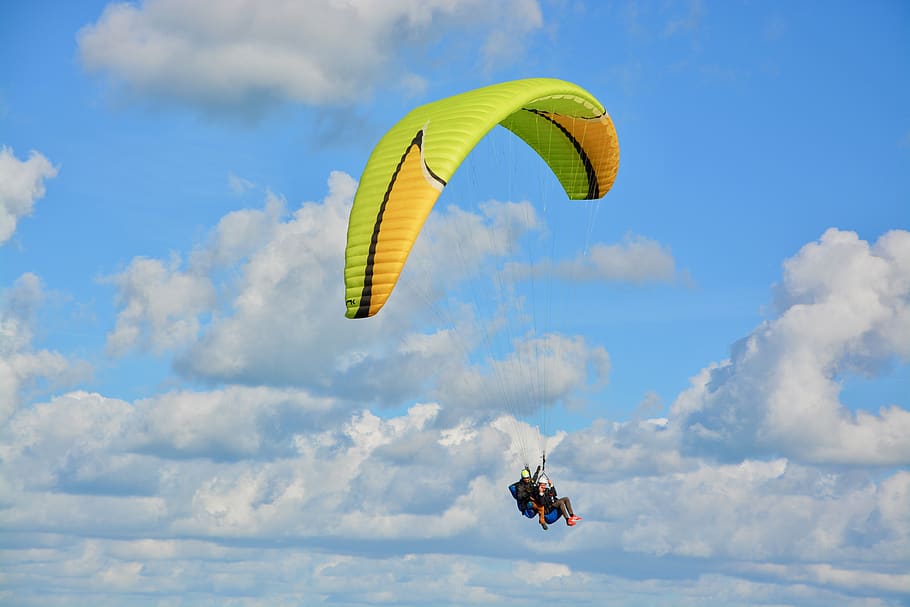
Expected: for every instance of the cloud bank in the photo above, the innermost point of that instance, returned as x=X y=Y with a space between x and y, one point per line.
x=286 y=481
x=261 y=492
x=245 y=56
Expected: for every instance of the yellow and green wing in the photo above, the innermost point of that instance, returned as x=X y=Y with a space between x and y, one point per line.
x=411 y=164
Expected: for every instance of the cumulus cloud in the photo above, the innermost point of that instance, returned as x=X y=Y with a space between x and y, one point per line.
x=238 y=235
x=21 y=366
x=844 y=310
x=277 y=576
x=282 y=320
x=242 y=56
x=249 y=474
x=235 y=489
x=637 y=259
x=261 y=302
x=538 y=372
x=610 y=450
x=160 y=305
x=286 y=321
x=21 y=184
x=241 y=462
x=163 y=304
x=457 y=241
x=230 y=424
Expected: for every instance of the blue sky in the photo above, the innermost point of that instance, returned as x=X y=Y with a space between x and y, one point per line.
x=187 y=418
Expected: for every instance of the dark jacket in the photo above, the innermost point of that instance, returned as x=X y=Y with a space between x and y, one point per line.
x=523 y=492
x=547 y=500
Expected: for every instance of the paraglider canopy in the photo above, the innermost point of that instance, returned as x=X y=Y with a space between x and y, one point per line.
x=410 y=166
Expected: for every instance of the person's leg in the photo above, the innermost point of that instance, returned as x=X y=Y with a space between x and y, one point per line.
x=572 y=511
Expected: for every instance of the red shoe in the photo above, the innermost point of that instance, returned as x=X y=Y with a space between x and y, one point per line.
x=575 y=517
x=570 y=522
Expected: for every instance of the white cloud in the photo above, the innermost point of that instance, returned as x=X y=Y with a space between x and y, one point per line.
x=456 y=242
x=844 y=309
x=21 y=366
x=287 y=322
x=239 y=462
x=853 y=579
x=238 y=235
x=160 y=305
x=219 y=481
x=279 y=576
x=21 y=184
x=286 y=325
x=637 y=259
x=243 y=55
x=505 y=45
x=163 y=304
x=612 y=450
x=230 y=424
x=246 y=488
x=278 y=318
x=538 y=372
x=748 y=517
x=238 y=185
